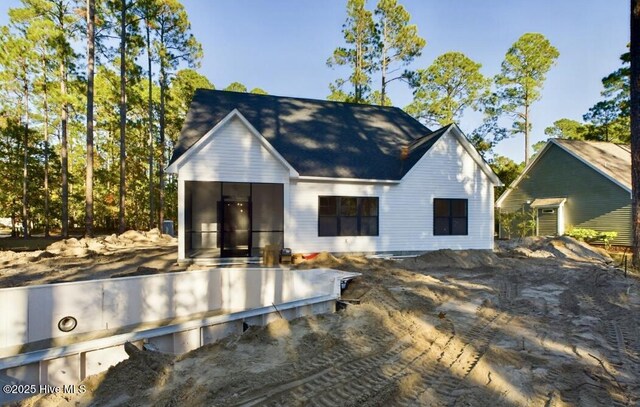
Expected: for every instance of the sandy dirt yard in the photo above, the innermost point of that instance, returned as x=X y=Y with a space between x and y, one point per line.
x=540 y=322
x=131 y=253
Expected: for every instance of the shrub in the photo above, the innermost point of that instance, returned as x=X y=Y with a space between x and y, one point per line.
x=585 y=235
x=590 y=235
x=523 y=222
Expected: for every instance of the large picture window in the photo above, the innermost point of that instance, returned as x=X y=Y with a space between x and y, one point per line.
x=347 y=216
x=450 y=217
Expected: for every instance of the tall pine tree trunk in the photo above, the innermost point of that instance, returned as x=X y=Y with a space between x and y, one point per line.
x=163 y=85
x=25 y=164
x=123 y=113
x=45 y=95
x=91 y=17
x=150 y=78
x=64 y=157
x=635 y=128
x=526 y=135
x=383 y=68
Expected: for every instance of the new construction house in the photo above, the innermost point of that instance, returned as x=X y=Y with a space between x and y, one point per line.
x=314 y=175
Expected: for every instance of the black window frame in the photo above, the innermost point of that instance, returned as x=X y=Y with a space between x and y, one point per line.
x=340 y=217
x=450 y=217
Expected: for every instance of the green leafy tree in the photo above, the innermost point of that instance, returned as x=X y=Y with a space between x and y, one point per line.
x=616 y=84
x=603 y=115
x=376 y=99
x=567 y=129
x=523 y=73
x=359 y=54
x=337 y=92
x=148 y=10
x=258 y=91
x=16 y=58
x=490 y=132
x=65 y=30
x=399 y=43
x=179 y=95
x=507 y=170
x=236 y=87
x=129 y=47
x=174 y=44
x=445 y=89
x=608 y=119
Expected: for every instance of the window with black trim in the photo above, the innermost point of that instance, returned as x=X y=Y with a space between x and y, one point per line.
x=347 y=216
x=450 y=217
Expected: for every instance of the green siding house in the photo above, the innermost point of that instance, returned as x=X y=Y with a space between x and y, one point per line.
x=575 y=184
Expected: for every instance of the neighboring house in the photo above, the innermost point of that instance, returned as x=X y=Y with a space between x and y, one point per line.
x=575 y=184
x=315 y=175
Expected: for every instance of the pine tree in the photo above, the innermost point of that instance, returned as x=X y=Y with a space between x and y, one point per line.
x=360 y=34
x=174 y=44
x=399 y=42
x=91 y=42
x=521 y=79
x=451 y=84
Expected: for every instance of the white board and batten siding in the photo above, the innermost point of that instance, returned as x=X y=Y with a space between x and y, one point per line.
x=232 y=154
x=405 y=209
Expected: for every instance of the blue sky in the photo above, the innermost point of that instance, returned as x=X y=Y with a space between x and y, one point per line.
x=282 y=46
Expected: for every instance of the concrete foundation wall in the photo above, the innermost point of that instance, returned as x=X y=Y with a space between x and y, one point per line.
x=253 y=297
x=101 y=305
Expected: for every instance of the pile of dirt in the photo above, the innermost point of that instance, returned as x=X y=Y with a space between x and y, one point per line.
x=461 y=259
x=148 y=367
x=90 y=246
x=132 y=253
x=322 y=259
x=562 y=247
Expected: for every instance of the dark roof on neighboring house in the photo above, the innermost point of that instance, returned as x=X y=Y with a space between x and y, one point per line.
x=613 y=160
x=317 y=137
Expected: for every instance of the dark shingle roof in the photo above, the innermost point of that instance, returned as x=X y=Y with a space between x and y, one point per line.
x=317 y=137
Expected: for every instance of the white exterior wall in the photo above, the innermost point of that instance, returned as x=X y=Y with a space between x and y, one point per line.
x=233 y=154
x=405 y=209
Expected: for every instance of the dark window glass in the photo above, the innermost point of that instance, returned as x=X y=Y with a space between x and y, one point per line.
x=349 y=206
x=450 y=217
x=459 y=226
x=347 y=216
x=369 y=207
x=441 y=226
x=348 y=226
x=328 y=206
x=369 y=226
x=328 y=226
x=459 y=207
x=441 y=207
x=267 y=203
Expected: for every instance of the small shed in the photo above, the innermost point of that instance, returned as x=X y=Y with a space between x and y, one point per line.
x=575 y=184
